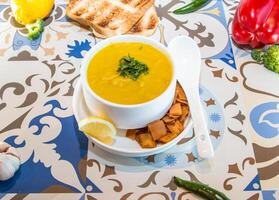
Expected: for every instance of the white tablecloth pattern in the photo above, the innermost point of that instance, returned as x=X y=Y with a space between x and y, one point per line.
x=241 y=100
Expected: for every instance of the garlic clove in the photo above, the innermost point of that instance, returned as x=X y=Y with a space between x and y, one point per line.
x=4 y=146
x=9 y=161
x=14 y=161
x=12 y=151
x=7 y=170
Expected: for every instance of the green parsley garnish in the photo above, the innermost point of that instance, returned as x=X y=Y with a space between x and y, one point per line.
x=131 y=68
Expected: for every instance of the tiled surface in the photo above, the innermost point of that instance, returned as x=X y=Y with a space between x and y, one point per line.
x=59 y=162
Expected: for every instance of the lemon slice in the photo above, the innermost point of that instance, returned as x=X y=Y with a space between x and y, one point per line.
x=98 y=128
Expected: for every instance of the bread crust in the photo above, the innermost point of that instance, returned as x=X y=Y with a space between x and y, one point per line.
x=112 y=17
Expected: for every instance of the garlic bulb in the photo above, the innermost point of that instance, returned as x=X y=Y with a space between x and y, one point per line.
x=9 y=161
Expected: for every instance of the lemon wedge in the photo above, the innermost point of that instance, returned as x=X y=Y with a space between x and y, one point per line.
x=98 y=128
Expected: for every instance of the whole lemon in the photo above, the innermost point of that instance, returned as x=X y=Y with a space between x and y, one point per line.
x=28 y=11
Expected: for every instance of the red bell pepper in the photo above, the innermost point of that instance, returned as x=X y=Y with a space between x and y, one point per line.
x=256 y=23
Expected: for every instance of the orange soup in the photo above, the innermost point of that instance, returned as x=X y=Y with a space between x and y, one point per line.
x=129 y=73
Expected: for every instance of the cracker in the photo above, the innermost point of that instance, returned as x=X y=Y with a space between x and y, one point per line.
x=175 y=128
x=176 y=110
x=168 y=127
x=168 y=137
x=157 y=129
x=146 y=140
x=185 y=113
x=167 y=119
x=131 y=133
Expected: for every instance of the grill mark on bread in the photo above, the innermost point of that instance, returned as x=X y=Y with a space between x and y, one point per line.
x=147 y=24
x=153 y=22
x=80 y=12
x=90 y=17
x=136 y=28
x=141 y=3
x=126 y=1
x=112 y=17
x=100 y=11
x=127 y=7
x=103 y=23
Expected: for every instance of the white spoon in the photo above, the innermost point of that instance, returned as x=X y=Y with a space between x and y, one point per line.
x=187 y=60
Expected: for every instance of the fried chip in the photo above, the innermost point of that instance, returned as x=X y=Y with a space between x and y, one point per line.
x=173 y=116
x=142 y=130
x=167 y=119
x=131 y=133
x=185 y=113
x=175 y=128
x=146 y=141
x=175 y=98
x=180 y=92
x=182 y=101
x=139 y=132
x=157 y=129
x=168 y=137
x=176 y=110
x=166 y=129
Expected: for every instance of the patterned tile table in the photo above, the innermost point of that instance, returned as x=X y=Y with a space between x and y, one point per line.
x=241 y=100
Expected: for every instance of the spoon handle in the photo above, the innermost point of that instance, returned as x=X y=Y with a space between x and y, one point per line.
x=204 y=145
x=187 y=60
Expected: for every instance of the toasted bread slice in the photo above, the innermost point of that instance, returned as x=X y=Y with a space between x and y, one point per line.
x=147 y=24
x=108 y=17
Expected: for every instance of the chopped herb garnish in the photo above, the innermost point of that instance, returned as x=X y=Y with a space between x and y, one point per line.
x=131 y=68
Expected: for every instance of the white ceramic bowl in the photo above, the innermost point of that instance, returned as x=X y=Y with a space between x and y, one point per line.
x=127 y=116
x=123 y=145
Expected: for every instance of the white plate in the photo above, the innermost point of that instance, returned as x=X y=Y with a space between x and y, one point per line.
x=122 y=146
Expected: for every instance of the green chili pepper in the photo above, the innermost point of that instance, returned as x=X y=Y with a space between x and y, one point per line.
x=201 y=189
x=191 y=7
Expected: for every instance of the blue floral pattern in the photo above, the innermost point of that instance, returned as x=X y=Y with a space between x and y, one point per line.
x=214 y=117
x=77 y=49
x=265 y=119
x=70 y=145
x=170 y=160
